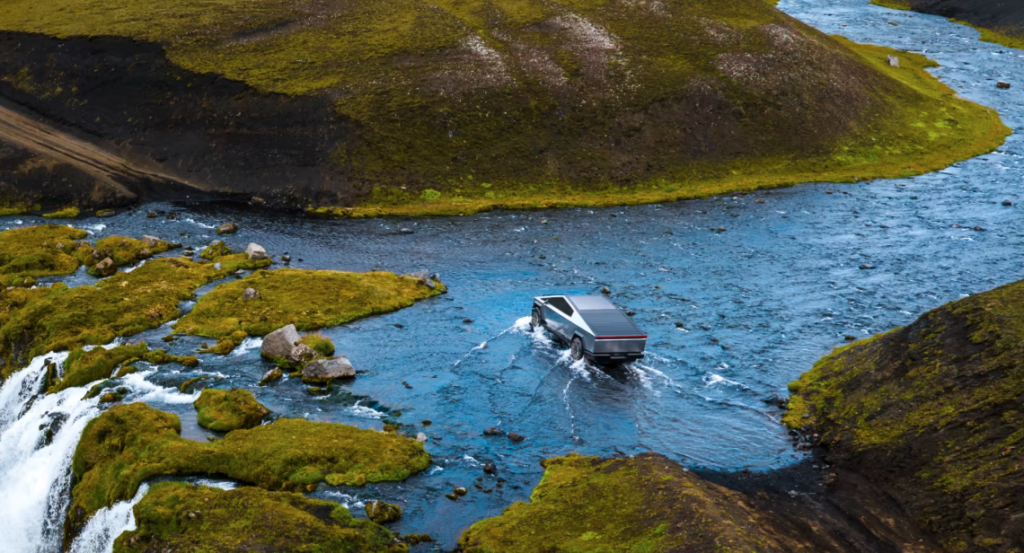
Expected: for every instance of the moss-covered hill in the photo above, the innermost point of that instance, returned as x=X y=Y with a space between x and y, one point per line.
x=934 y=412
x=456 y=106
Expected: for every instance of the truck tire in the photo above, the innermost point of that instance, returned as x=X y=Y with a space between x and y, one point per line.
x=576 y=348
x=536 y=319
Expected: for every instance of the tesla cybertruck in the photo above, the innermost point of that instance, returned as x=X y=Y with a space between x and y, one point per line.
x=592 y=326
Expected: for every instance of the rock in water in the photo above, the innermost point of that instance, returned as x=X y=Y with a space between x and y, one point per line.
x=106 y=267
x=516 y=437
x=381 y=512
x=302 y=353
x=1003 y=84
x=421 y=438
x=322 y=371
x=280 y=342
x=271 y=376
x=227 y=228
x=256 y=252
x=250 y=294
x=493 y=431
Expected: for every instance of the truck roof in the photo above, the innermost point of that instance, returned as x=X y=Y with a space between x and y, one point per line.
x=603 y=317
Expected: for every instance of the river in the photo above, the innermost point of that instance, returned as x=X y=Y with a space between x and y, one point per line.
x=757 y=303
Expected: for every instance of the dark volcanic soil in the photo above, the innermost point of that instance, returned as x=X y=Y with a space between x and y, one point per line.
x=201 y=130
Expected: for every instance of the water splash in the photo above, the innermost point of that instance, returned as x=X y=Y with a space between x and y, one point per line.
x=107 y=524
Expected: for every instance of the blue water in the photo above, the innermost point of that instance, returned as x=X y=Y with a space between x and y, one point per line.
x=758 y=303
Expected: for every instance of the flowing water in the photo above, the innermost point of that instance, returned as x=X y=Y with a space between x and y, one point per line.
x=757 y=304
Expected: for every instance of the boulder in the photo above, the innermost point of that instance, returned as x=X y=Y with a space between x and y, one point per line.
x=256 y=252
x=106 y=267
x=893 y=61
x=271 y=376
x=1003 y=84
x=144 y=252
x=322 y=371
x=381 y=512
x=280 y=342
x=150 y=241
x=301 y=353
x=516 y=437
x=227 y=228
x=250 y=294
x=493 y=431
x=421 y=438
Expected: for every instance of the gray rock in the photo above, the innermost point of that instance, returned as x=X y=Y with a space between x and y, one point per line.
x=106 y=267
x=893 y=61
x=227 y=228
x=324 y=370
x=150 y=241
x=256 y=252
x=1006 y=203
x=217 y=266
x=280 y=342
x=302 y=353
x=381 y=512
x=1003 y=84
x=493 y=431
x=421 y=438
x=271 y=376
x=516 y=437
x=406 y=230
x=144 y=252
x=250 y=294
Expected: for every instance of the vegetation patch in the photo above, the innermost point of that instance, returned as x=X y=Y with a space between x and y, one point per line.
x=33 y=252
x=646 y=504
x=227 y=410
x=65 y=213
x=307 y=299
x=62 y=318
x=934 y=413
x=131 y=443
x=126 y=251
x=185 y=518
x=83 y=367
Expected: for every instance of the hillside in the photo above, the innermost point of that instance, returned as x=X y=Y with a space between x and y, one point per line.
x=458 y=106
x=933 y=413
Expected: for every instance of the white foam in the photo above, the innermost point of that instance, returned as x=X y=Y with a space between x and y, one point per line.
x=198 y=224
x=364 y=412
x=133 y=267
x=348 y=501
x=712 y=379
x=107 y=524
x=147 y=392
x=248 y=345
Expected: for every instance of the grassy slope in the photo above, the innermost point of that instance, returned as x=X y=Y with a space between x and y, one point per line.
x=307 y=299
x=644 y=504
x=934 y=411
x=465 y=106
x=192 y=519
x=131 y=443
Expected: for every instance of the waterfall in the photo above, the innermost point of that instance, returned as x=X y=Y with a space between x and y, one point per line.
x=38 y=436
x=106 y=525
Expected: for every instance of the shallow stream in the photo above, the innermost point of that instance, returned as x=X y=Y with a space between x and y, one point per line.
x=758 y=304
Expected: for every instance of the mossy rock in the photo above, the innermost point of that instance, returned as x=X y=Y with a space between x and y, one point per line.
x=126 y=251
x=933 y=412
x=381 y=512
x=61 y=318
x=192 y=519
x=308 y=299
x=321 y=344
x=647 y=503
x=464 y=106
x=66 y=213
x=32 y=252
x=227 y=410
x=131 y=443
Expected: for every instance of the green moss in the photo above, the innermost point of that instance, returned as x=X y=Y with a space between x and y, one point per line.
x=227 y=410
x=225 y=345
x=33 y=252
x=584 y=103
x=643 y=504
x=320 y=344
x=82 y=367
x=903 y=5
x=189 y=385
x=65 y=213
x=131 y=443
x=126 y=251
x=307 y=299
x=192 y=519
x=1011 y=39
x=931 y=410
x=62 y=318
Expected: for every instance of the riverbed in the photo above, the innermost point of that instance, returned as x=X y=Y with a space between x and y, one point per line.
x=738 y=294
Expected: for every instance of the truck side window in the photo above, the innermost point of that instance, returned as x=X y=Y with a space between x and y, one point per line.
x=562 y=305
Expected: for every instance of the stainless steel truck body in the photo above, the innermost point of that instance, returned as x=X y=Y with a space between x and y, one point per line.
x=593 y=327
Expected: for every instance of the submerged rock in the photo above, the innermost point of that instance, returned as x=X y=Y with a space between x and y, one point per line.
x=516 y=437
x=279 y=343
x=381 y=512
x=227 y=228
x=322 y=371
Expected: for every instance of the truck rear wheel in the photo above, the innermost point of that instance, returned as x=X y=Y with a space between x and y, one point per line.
x=576 y=348
x=536 y=319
